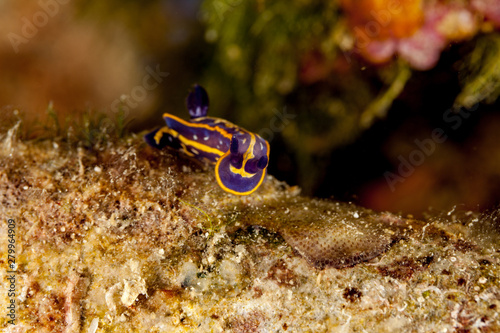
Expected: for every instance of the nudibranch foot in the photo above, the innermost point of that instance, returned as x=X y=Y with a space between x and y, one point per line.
x=162 y=137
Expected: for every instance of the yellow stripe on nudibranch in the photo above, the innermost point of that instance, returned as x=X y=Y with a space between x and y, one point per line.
x=217 y=177
x=211 y=139
x=197 y=125
x=159 y=134
x=246 y=157
x=239 y=193
x=225 y=188
x=191 y=143
x=199 y=146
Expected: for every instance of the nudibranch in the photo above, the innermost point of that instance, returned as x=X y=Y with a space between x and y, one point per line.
x=241 y=157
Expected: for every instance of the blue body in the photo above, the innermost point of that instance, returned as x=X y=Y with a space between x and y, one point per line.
x=240 y=157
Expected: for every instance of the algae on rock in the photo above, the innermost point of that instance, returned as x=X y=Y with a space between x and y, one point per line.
x=117 y=237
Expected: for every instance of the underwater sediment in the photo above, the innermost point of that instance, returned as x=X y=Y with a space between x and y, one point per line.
x=121 y=237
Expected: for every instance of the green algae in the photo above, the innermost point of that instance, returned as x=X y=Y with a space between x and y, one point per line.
x=481 y=73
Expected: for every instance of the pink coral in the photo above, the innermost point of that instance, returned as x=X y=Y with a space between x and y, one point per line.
x=442 y=24
x=489 y=8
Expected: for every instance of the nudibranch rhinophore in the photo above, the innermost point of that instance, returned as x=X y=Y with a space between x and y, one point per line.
x=240 y=156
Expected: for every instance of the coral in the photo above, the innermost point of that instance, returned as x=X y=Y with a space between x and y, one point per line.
x=416 y=30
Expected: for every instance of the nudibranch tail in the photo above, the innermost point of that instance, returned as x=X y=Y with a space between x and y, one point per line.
x=162 y=137
x=197 y=102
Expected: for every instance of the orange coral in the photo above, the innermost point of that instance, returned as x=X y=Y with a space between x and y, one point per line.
x=381 y=19
x=415 y=30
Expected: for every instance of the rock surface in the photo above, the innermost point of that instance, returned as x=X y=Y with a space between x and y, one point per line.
x=123 y=238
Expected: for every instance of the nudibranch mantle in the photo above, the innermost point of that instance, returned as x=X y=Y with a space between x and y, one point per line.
x=241 y=157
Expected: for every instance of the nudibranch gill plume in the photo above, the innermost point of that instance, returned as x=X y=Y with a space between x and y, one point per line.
x=241 y=157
